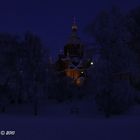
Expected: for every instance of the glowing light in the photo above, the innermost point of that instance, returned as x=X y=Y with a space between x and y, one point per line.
x=82 y=72
x=80 y=81
x=91 y=63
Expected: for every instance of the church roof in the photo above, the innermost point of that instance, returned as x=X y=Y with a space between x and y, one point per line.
x=74 y=38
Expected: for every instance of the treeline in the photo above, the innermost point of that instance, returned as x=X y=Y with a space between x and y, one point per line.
x=117 y=73
x=23 y=65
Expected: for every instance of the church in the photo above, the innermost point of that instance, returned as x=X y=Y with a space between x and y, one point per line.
x=72 y=61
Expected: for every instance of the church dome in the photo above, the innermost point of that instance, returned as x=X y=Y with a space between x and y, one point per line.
x=74 y=47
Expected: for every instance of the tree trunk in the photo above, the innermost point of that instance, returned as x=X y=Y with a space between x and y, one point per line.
x=36 y=108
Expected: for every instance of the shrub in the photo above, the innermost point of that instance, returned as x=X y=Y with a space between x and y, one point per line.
x=115 y=99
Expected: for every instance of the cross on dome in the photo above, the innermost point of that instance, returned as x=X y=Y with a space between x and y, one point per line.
x=74 y=26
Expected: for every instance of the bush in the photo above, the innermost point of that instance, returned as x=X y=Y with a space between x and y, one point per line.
x=115 y=99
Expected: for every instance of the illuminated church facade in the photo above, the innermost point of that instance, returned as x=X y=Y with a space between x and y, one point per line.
x=72 y=61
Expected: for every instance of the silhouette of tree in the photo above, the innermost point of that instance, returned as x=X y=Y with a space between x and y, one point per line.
x=112 y=35
x=22 y=69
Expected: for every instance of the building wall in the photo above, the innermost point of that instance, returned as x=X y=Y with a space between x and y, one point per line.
x=74 y=74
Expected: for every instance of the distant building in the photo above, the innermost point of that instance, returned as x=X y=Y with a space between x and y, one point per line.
x=73 y=61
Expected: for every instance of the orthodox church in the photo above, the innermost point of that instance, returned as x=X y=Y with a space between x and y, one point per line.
x=72 y=61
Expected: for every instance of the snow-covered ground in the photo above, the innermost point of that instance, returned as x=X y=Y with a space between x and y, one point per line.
x=71 y=128
x=56 y=123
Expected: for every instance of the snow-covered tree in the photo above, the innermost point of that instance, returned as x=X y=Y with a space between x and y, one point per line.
x=111 y=33
x=33 y=68
x=22 y=69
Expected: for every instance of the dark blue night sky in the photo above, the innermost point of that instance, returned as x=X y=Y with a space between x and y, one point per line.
x=52 y=20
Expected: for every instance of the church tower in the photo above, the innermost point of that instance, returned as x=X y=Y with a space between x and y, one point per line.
x=74 y=47
x=72 y=63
